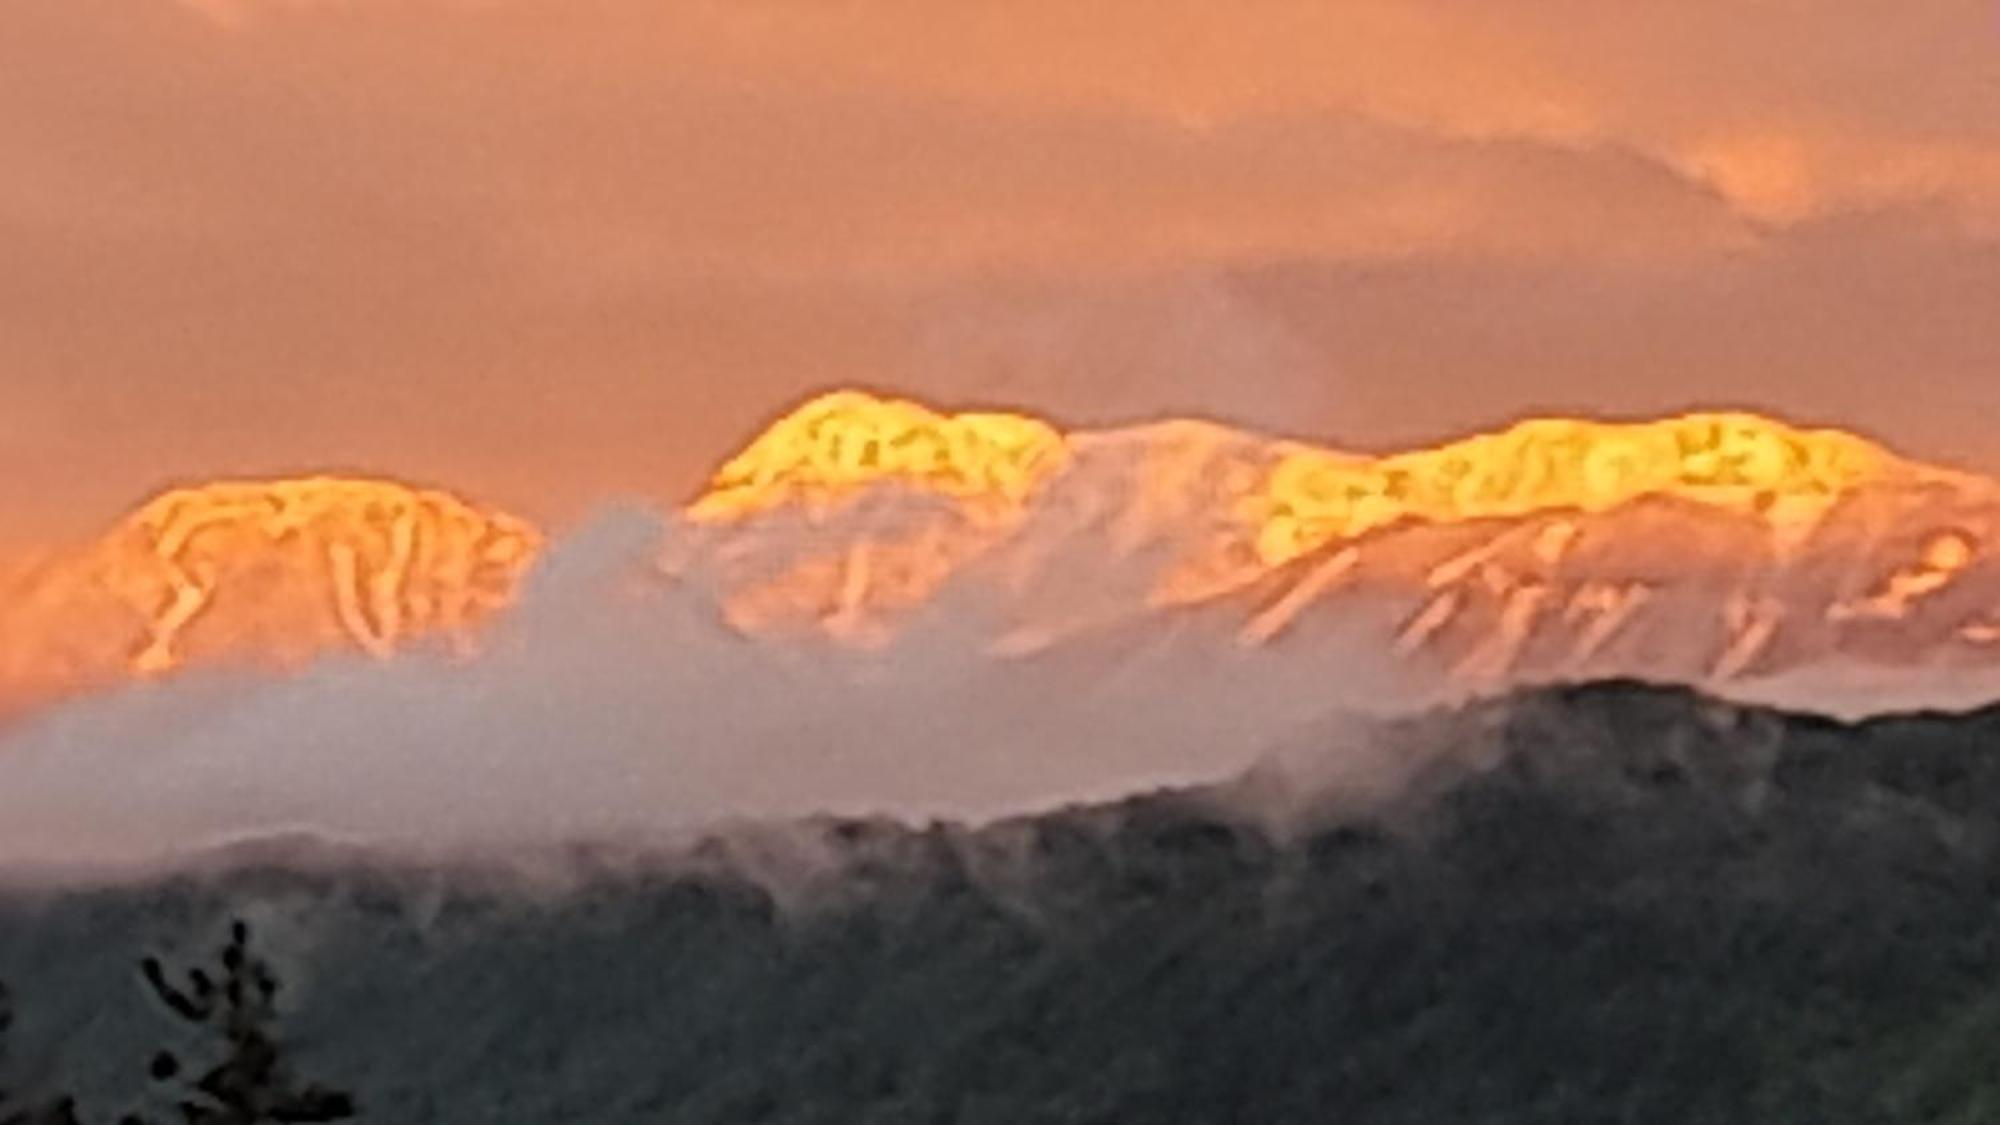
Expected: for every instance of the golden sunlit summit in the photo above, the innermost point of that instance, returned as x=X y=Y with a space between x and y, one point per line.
x=261 y=572
x=843 y=442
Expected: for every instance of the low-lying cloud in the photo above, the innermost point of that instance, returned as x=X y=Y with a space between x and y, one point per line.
x=614 y=704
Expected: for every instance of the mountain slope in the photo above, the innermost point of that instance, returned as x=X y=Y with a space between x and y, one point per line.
x=1709 y=549
x=1603 y=903
x=264 y=573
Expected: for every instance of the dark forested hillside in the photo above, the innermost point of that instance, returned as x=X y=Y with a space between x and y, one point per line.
x=1609 y=903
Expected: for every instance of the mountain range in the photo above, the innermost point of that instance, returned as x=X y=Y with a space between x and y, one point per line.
x=1730 y=551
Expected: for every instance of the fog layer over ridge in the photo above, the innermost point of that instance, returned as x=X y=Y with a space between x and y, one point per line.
x=612 y=702
x=617 y=697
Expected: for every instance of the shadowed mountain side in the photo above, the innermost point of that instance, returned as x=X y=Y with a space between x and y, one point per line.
x=1605 y=903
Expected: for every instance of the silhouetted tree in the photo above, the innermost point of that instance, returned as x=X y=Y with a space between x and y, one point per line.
x=251 y=1083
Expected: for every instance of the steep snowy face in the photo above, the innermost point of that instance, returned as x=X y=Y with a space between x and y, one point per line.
x=855 y=515
x=258 y=572
x=1892 y=577
x=1715 y=548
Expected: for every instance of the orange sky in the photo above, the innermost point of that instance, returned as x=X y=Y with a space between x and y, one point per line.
x=552 y=250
